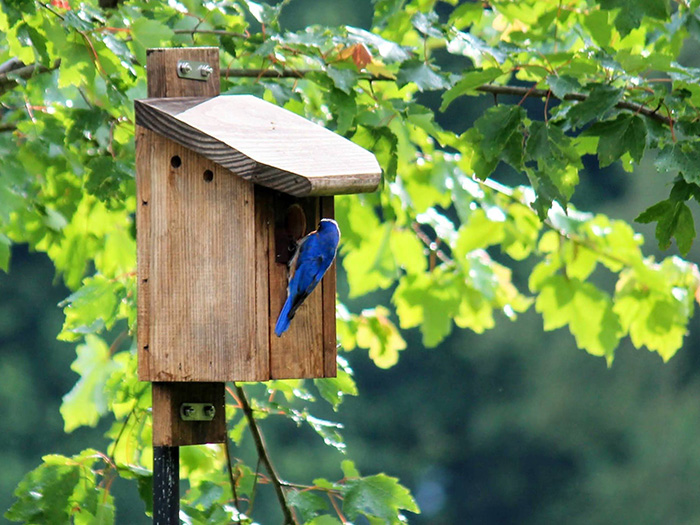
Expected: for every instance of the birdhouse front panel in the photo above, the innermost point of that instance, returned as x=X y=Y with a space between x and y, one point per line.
x=197 y=277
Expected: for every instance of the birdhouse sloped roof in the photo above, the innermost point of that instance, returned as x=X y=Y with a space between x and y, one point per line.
x=263 y=143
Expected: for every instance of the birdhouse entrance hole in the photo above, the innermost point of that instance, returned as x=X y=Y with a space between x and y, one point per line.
x=294 y=218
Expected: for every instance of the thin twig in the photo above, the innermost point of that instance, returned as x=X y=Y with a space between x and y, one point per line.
x=431 y=245
x=234 y=492
x=263 y=454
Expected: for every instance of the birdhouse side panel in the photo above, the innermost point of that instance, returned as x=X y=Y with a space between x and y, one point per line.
x=299 y=352
x=199 y=304
x=329 y=286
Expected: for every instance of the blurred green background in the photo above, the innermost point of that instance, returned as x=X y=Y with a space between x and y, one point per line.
x=513 y=426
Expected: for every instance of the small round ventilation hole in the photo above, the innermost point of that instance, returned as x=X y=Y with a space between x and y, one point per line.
x=176 y=161
x=208 y=175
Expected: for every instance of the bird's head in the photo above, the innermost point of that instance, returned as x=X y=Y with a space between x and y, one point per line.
x=327 y=223
x=328 y=226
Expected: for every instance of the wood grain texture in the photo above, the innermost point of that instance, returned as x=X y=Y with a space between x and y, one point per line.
x=161 y=66
x=264 y=222
x=328 y=284
x=169 y=428
x=146 y=142
x=299 y=351
x=201 y=283
x=264 y=143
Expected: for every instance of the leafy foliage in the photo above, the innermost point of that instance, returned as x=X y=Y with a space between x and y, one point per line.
x=441 y=236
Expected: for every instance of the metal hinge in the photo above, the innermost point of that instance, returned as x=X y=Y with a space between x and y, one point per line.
x=194 y=70
x=197 y=411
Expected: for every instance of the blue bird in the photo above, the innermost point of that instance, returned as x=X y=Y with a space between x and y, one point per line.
x=314 y=255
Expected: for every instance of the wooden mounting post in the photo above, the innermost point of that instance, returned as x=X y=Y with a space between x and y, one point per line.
x=155 y=152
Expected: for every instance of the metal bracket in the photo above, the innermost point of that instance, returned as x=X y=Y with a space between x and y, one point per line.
x=194 y=70
x=197 y=411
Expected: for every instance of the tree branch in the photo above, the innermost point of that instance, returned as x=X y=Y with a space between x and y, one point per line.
x=263 y=455
x=8 y=80
x=219 y=32
x=543 y=93
x=285 y=73
x=523 y=92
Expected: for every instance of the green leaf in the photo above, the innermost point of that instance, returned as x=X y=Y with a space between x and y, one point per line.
x=424 y=76
x=602 y=99
x=497 y=135
x=429 y=301
x=378 y=334
x=478 y=232
x=333 y=389
x=5 y=245
x=654 y=302
x=349 y=469
x=308 y=504
x=674 y=219
x=87 y=402
x=343 y=78
x=585 y=309
x=468 y=83
x=683 y=156
x=147 y=33
x=408 y=251
x=626 y=133
x=558 y=163
x=380 y=495
x=42 y=496
x=62 y=490
x=598 y=24
x=427 y=23
x=324 y=520
x=475 y=48
x=563 y=85
x=631 y=12
x=91 y=309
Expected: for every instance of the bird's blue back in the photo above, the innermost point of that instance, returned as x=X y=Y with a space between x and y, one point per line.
x=314 y=256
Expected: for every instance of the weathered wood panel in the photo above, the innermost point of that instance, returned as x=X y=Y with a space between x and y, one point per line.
x=299 y=351
x=201 y=283
x=168 y=427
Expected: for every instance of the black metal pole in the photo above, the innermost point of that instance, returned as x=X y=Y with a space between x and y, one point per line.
x=166 y=485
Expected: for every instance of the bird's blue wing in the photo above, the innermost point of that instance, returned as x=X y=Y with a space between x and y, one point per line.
x=308 y=271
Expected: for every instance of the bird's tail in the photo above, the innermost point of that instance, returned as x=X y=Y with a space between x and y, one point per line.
x=284 y=318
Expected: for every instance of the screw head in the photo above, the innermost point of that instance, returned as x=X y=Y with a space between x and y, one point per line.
x=205 y=70
x=209 y=411
x=184 y=67
x=187 y=410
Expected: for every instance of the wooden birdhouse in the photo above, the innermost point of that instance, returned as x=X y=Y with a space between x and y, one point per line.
x=226 y=185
